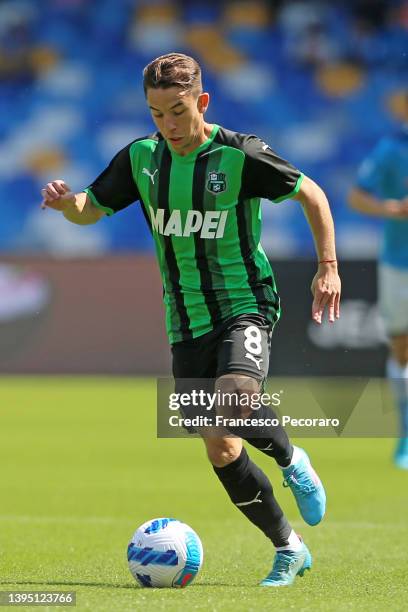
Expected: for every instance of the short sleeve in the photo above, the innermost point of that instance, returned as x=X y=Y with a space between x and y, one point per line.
x=372 y=173
x=265 y=174
x=115 y=188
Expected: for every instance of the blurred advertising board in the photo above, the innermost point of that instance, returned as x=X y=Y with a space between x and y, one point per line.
x=105 y=316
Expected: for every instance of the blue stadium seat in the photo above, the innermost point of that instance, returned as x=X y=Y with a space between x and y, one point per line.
x=102 y=57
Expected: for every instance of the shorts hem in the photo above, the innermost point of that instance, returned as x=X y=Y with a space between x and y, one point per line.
x=224 y=323
x=259 y=377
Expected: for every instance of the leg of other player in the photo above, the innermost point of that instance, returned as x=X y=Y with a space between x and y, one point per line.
x=393 y=301
x=397 y=370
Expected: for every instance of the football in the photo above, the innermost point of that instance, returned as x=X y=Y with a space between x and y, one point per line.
x=165 y=552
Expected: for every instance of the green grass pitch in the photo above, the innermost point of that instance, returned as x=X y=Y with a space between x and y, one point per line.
x=81 y=468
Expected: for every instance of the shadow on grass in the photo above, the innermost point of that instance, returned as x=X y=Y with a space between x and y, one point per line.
x=107 y=585
x=66 y=583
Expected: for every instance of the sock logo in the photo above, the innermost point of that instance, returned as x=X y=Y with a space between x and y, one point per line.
x=252 y=501
x=269 y=447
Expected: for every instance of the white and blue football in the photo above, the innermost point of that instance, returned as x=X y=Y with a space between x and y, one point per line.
x=165 y=552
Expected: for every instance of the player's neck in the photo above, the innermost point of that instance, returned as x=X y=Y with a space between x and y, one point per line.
x=208 y=128
x=202 y=135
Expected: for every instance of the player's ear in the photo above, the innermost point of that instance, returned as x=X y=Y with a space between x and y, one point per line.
x=203 y=102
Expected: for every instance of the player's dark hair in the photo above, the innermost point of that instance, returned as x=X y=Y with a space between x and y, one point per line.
x=172 y=70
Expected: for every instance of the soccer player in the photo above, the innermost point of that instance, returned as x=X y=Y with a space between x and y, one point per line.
x=200 y=187
x=381 y=190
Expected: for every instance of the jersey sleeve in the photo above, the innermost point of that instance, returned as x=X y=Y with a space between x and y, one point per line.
x=115 y=188
x=372 y=173
x=267 y=175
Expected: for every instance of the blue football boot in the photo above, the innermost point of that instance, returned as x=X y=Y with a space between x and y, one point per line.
x=401 y=454
x=287 y=565
x=307 y=488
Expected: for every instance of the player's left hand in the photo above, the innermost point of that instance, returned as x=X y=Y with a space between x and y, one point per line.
x=326 y=290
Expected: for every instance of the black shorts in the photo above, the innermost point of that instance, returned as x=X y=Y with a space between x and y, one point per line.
x=241 y=345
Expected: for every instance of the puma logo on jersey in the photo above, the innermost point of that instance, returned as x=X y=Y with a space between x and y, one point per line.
x=148 y=173
x=256 y=360
x=211 y=224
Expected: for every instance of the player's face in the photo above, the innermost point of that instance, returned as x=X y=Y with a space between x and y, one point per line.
x=179 y=116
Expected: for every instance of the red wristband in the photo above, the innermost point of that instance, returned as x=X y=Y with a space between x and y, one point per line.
x=327 y=261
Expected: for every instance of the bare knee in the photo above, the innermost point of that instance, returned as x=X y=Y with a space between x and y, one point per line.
x=235 y=392
x=399 y=348
x=222 y=451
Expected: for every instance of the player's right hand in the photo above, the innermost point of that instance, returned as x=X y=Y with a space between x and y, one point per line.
x=57 y=195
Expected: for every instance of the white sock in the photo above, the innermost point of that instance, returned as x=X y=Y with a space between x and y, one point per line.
x=398 y=377
x=294 y=542
x=295 y=458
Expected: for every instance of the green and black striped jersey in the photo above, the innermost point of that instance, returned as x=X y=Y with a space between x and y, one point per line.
x=203 y=210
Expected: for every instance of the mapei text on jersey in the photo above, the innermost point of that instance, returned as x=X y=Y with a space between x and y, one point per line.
x=211 y=224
